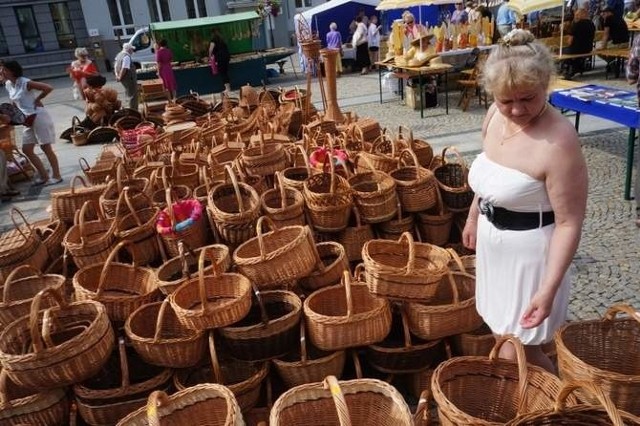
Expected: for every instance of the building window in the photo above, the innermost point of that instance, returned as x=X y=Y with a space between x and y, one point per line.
x=303 y=3
x=196 y=9
x=63 y=25
x=121 y=17
x=4 y=49
x=161 y=6
x=29 y=29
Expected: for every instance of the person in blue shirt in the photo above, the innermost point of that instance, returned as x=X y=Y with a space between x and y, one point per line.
x=506 y=19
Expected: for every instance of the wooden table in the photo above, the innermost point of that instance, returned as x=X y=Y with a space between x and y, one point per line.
x=436 y=69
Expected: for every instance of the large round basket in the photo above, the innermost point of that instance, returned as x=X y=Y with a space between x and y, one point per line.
x=374 y=193
x=333 y=403
x=120 y=287
x=606 y=352
x=269 y=330
x=451 y=311
x=404 y=269
x=452 y=180
x=264 y=159
x=241 y=377
x=309 y=364
x=208 y=404
x=276 y=257
x=284 y=206
x=344 y=316
x=121 y=387
x=160 y=339
x=65 y=203
x=492 y=391
x=76 y=343
x=213 y=301
x=605 y=413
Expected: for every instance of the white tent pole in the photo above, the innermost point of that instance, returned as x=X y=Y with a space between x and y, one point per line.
x=562 y=28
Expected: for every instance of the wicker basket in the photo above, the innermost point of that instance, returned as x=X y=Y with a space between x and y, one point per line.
x=452 y=180
x=416 y=186
x=452 y=311
x=492 y=391
x=394 y=228
x=283 y=205
x=74 y=346
x=121 y=288
x=100 y=171
x=52 y=232
x=19 y=289
x=269 y=330
x=278 y=256
x=21 y=246
x=309 y=364
x=121 y=387
x=434 y=226
x=66 y=202
x=160 y=339
x=295 y=176
x=241 y=377
x=333 y=261
x=605 y=352
x=265 y=159
x=111 y=195
x=355 y=236
x=172 y=273
x=90 y=242
x=20 y=406
x=192 y=230
x=420 y=147
x=328 y=200
x=399 y=353
x=374 y=193
x=234 y=208
x=478 y=342
x=346 y=315
x=213 y=301
x=208 y=404
x=333 y=403
x=605 y=413
x=404 y=269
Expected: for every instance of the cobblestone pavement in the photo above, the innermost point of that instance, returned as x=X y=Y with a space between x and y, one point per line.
x=606 y=267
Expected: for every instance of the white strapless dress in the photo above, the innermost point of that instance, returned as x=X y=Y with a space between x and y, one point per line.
x=510 y=265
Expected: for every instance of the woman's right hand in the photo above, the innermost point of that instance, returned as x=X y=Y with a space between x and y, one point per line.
x=469 y=234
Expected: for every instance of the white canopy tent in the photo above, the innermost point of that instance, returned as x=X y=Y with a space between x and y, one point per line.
x=309 y=14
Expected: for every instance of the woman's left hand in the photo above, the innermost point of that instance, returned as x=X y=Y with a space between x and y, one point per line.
x=538 y=310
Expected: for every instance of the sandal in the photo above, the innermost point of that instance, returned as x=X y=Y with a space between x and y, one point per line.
x=52 y=181
x=39 y=182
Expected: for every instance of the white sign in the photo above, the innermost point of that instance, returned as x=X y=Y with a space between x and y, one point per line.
x=94 y=32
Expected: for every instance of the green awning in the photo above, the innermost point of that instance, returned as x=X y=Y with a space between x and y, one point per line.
x=201 y=22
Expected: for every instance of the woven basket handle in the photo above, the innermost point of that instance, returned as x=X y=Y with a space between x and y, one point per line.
x=456 y=258
x=236 y=188
x=186 y=273
x=305 y=157
x=332 y=170
x=594 y=390
x=5 y=401
x=81 y=217
x=455 y=151
x=357 y=365
x=14 y=211
x=405 y=131
x=405 y=327
x=216 y=272
x=129 y=203
x=84 y=165
x=72 y=184
x=160 y=320
x=264 y=316
x=346 y=281
x=283 y=193
x=406 y=236
x=421 y=416
x=36 y=338
x=19 y=270
x=75 y=122
x=215 y=363
x=124 y=364
x=411 y=154
x=107 y=263
x=303 y=342
x=621 y=308
x=523 y=369
x=156 y=399
x=331 y=383
x=273 y=228
x=359 y=272
x=356 y=133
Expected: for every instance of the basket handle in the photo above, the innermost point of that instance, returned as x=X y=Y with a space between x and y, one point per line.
x=303 y=342
x=9 y=281
x=305 y=158
x=84 y=165
x=5 y=401
x=160 y=320
x=412 y=251
x=124 y=364
x=455 y=151
x=14 y=211
x=72 y=184
x=264 y=316
x=411 y=154
x=621 y=308
x=596 y=391
x=357 y=365
x=405 y=327
x=132 y=209
x=421 y=415
x=215 y=363
x=273 y=228
x=183 y=259
x=456 y=258
x=331 y=383
x=36 y=338
x=409 y=134
x=283 y=193
x=201 y=285
x=75 y=122
x=156 y=399
x=359 y=272
x=346 y=281
x=523 y=369
x=107 y=263
x=236 y=188
x=454 y=288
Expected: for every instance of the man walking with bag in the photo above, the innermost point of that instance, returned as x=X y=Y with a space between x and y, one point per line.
x=126 y=74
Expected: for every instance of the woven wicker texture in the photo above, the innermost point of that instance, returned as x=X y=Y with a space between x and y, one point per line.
x=604 y=413
x=100 y=171
x=346 y=315
x=478 y=342
x=394 y=228
x=295 y=176
x=21 y=245
x=606 y=352
x=264 y=159
x=434 y=226
x=278 y=256
x=333 y=261
x=209 y=404
x=269 y=330
x=51 y=232
x=213 y=301
x=333 y=403
x=111 y=194
x=374 y=193
x=160 y=339
x=283 y=205
x=77 y=341
x=355 y=236
x=416 y=186
x=492 y=391
x=452 y=180
x=195 y=235
x=404 y=269
x=90 y=242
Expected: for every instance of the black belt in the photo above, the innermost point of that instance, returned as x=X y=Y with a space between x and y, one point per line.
x=505 y=219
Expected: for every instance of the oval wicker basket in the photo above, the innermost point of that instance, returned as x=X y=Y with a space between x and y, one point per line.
x=284 y=206
x=65 y=203
x=333 y=261
x=90 y=242
x=374 y=193
x=416 y=186
x=343 y=316
x=452 y=180
x=21 y=246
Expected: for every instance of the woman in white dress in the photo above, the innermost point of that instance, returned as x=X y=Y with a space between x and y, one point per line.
x=531 y=190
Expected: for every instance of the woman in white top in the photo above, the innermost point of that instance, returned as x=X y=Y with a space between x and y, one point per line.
x=530 y=183
x=361 y=44
x=38 y=127
x=373 y=37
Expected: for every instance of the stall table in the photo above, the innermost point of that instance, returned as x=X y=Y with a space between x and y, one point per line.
x=431 y=69
x=619 y=106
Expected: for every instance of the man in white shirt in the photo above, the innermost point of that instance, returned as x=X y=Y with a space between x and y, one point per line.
x=126 y=74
